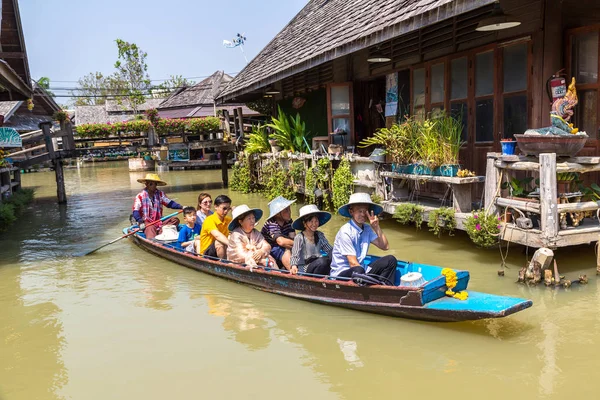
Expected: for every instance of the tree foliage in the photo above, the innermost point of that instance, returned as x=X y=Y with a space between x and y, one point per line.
x=95 y=88
x=173 y=83
x=44 y=83
x=132 y=71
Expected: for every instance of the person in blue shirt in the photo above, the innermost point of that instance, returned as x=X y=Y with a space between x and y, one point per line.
x=190 y=231
x=353 y=239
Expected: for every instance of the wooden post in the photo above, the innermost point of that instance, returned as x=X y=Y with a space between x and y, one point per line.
x=151 y=137
x=548 y=202
x=224 y=175
x=461 y=198
x=17 y=179
x=236 y=128
x=68 y=140
x=226 y=126
x=60 y=182
x=45 y=127
x=240 y=116
x=492 y=177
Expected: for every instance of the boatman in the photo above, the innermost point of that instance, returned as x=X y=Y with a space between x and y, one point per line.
x=148 y=205
x=353 y=239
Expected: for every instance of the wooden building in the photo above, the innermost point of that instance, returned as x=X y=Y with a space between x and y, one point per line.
x=17 y=115
x=198 y=101
x=495 y=80
x=14 y=68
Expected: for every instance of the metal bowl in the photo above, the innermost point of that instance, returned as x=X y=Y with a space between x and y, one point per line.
x=561 y=145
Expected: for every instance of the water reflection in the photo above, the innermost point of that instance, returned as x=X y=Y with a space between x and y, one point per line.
x=29 y=330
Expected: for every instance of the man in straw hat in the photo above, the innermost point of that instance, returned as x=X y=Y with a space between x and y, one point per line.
x=353 y=239
x=148 y=205
x=278 y=231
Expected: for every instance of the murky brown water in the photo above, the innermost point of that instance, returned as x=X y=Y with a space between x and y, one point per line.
x=123 y=324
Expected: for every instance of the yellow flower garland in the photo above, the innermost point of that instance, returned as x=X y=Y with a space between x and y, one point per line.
x=451 y=281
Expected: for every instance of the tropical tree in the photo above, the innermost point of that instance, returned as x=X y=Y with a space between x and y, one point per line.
x=132 y=71
x=173 y=83
x=94 y=88
x=44 y=83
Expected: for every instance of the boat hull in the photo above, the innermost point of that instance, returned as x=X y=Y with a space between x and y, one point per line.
x=386 y=300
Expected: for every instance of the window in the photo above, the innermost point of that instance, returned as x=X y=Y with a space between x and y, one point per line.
x=340 y=114
x=584 y=63
x=418 y=98
x=459 y=74
x=514 y=102
x=484 y=100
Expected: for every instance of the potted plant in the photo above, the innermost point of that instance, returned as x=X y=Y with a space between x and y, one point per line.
x=483 y=229
x=396 y=143
x=508 y=146
x=449 y=131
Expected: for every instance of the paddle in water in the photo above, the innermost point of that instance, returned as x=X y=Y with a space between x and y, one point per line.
x=128 y=234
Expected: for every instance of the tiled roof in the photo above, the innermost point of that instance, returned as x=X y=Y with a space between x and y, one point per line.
x=26 y=122
x=203 y=92
x=203 y=111
x=327 y=29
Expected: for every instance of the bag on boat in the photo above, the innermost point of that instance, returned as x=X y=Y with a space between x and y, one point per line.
x=370 y=279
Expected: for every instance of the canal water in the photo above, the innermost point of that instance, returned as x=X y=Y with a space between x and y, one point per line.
x=123 y=324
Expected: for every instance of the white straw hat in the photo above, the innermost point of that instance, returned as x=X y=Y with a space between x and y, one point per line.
x=278 y=204
x=308 y=210
x=239 y=211
x=359 y=198
x=169 y=234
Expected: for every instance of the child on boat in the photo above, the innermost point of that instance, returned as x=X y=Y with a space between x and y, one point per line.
x=352 y=241
x=204 y=204
x=310 y=243
x=213 y=235
x=190 y=231
x=246 y=244
x=278 y=231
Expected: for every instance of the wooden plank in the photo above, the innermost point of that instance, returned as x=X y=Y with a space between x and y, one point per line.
x=492 y=182
x=580 y=230
x=582 y=206
x=525 y=237
x=548 y=202
x=29 y=150
x=519 y=204
x=433 y=178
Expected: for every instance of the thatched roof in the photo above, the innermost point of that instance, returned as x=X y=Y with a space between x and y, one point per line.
x=113 y=106
x=327 y=29
x=202 y=93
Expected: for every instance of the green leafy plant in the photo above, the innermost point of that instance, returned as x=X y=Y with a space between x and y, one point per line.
x=258 y=141
x=60 y=115
x=407 y=212
x=297 y=173
x=342 y=184
x=241 y=179
x=442 y=219
x=397 y=141
x=277 y=181
x=519 y=187
x=290 y=133
x=482 y=228
x=12 y=207
x=376 y=198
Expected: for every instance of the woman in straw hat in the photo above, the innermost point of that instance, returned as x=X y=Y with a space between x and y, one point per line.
x=148 y=205
x=353 y=239
x=308 y=244
x=246 y=244
x=278 y=231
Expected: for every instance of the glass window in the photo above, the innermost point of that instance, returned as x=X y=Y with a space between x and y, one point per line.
x=437 y=83
x=584 y=57
x=585 y=113
x=458 y=78
x=484 y=120
x=420 y=113
x=515 y=115
x=419 y=87
x=515 y=68
x=459 y=112
x=340 y=100
x=484 y=74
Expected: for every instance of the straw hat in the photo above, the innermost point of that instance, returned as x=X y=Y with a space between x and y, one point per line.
x=359 y=198
x=309 y=210
x=168 y=234
x=278 y=204
x=240 y=211
x=154 y=178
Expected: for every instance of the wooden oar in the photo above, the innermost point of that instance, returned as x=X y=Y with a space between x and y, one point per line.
x=129 y=234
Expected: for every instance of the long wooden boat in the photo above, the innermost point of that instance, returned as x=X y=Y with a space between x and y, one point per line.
x=426 y=302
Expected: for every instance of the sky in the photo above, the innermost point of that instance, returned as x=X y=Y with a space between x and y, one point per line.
x=66 y=40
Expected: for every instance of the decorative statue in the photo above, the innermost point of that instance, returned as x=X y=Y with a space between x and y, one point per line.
x=562 y=111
